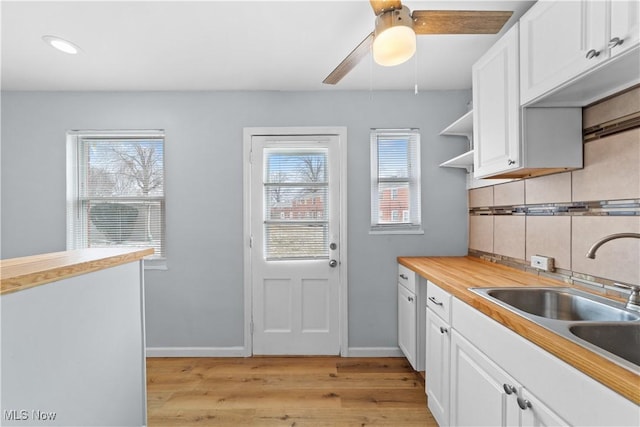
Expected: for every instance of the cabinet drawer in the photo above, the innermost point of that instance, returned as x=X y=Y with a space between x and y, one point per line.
x=407 y=278
x=439 y=301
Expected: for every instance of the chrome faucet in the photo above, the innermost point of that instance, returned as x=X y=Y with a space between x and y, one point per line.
x=592 y=252
x=633 y=303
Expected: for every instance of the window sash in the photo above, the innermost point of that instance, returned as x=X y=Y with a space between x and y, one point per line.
x=296 y=200
x=395 y=168
x=131 y=220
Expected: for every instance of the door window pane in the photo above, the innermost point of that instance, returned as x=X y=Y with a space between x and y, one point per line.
x=295 y=204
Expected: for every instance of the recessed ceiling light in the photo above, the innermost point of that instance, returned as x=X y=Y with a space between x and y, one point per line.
x=61 y=44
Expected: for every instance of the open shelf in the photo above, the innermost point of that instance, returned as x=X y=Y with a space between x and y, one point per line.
x=464 y=161
x=461 y=127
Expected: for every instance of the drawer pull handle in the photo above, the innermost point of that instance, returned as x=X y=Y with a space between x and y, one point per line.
x=402 y=276
x=523 y=403
x=443 y=330
x=509 y=389
x=435 y=301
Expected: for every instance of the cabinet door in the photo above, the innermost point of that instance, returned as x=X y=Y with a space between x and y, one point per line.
x=478 y=388
x=496 y=108
x=555 y=40
x=407 y=323
x=437 y=367
x=625 y=25
x=537 y=414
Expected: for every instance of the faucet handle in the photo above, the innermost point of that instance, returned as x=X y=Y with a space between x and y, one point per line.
x=633 y=302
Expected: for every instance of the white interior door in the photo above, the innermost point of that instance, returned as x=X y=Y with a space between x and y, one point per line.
x=295 y=244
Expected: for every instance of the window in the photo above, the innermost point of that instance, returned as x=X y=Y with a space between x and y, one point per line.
x=293 y=179
x=115 y=190
x=395 y=181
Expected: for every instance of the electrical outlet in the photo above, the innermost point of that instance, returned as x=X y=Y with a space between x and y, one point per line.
x=542 y=262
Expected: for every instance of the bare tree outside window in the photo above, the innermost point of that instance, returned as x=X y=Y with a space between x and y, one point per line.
x=142 y=167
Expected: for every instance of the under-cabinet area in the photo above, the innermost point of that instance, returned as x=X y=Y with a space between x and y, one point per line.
x=488 y=365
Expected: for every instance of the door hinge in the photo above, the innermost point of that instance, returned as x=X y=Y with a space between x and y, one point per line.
x=251 y=241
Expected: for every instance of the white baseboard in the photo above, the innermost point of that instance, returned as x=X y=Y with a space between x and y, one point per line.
x=196 y=352
x=241 y=352
x=374 y=352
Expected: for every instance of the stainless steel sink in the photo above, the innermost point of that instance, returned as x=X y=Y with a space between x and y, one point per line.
x=602 y=325
x=623 y=340
x=561 y=304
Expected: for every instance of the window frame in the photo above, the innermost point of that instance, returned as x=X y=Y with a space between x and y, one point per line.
x=76 y=230
x=412 y=181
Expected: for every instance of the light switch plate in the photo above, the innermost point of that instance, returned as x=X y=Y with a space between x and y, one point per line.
x=542 y=262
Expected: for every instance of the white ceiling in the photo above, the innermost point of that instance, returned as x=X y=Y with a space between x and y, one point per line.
x=223 y=45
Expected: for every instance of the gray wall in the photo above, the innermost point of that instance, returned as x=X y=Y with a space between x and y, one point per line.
x=198 y=302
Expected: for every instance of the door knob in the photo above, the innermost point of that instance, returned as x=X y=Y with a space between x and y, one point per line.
x=333 y=263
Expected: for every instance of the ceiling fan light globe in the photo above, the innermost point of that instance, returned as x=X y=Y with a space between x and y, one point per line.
x=395 y=39
x=394 y=46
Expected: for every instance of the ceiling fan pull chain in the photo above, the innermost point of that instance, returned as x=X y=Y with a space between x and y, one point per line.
x=415 y=73
x=371 y=73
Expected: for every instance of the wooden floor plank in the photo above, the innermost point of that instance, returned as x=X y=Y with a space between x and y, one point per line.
x=285 y=391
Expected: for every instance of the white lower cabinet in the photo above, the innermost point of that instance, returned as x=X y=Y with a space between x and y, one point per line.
x=437 y=367
x=407 y=323
x=501 y=378
x=535 y=413
x=482 y=394
x=411 y=313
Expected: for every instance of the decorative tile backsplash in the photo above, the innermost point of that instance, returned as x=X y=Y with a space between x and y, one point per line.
x=562 y=215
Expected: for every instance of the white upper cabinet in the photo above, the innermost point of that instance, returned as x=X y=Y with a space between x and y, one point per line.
x=563 y=40
x=625 y=26
x=496 y=103
x=511 y=141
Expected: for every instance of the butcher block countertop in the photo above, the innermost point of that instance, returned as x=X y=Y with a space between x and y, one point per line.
x=18 y=274
x=456 y=274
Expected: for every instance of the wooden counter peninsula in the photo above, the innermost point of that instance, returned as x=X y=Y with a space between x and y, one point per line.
x=73 y=346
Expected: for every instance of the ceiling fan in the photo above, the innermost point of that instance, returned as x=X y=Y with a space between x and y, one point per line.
x=394 y=39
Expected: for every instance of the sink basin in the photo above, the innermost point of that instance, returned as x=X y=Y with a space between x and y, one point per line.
x=560 y=304
x=623 y=340
x=602 y=325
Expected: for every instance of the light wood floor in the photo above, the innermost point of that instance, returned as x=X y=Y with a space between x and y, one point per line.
x=285 y=391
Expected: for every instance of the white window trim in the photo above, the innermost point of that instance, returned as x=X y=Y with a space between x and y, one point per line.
x=414 y=183
x=73 y=182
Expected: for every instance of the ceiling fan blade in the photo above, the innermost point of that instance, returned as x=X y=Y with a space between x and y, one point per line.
x=350 y=61
x=380 y=6
x=459 y=21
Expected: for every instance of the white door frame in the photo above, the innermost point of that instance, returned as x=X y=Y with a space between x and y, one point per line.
x=248 y=133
